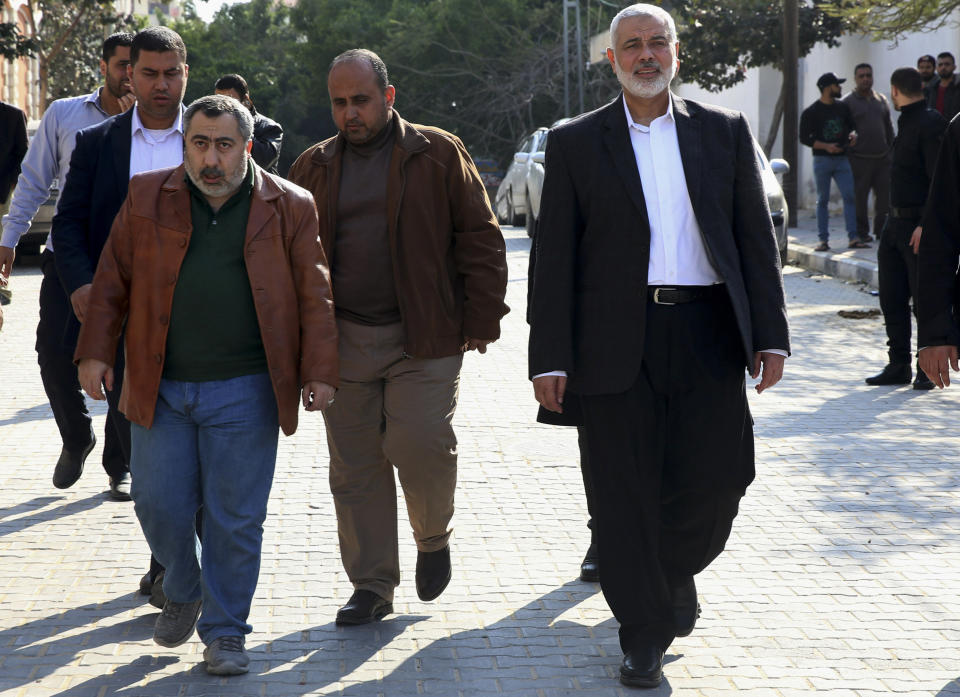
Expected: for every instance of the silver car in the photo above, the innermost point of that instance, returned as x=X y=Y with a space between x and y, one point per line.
x=513 y=195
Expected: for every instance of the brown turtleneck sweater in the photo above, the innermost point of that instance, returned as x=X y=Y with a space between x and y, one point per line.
x=362 y=271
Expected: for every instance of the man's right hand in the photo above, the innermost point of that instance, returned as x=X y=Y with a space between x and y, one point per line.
x=936 y=362
x=126 y=101
x=93 y=374
x=548 y=390
x=79 y=299
x=833 y=149
x=7 y=255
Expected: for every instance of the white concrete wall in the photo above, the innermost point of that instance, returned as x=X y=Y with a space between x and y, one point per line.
x=757 y=95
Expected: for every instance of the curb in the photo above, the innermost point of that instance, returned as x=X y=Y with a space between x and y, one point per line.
x=833 y=264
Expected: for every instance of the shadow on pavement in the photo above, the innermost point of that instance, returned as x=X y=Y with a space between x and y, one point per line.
x=46 y=515
x=502 y=656
x=951 y=689
x=41 y=412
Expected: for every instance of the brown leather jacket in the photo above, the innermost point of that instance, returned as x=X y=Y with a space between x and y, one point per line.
x=449 y=258
x=138 y=269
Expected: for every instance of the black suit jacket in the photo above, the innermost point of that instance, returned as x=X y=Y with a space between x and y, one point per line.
x=938 y=283
x=13 y=146
x=589 y=297
x=91 y=198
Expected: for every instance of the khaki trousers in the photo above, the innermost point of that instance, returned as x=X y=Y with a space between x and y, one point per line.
x=390 y=411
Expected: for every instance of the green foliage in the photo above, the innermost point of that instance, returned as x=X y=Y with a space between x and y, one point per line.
x=887 y=21
x=719 y=42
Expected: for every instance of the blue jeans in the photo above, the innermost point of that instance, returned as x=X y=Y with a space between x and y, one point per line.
x=212 y=444
x=838 y=168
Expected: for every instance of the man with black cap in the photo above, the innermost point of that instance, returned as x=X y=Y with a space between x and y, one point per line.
x=827 y=127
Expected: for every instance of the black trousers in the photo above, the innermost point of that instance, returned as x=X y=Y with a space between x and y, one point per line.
x=59 y=376
x=587 y=479
x=669 y=460
x=897 y=267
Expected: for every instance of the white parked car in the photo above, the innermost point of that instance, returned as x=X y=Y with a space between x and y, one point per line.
x=513 y=195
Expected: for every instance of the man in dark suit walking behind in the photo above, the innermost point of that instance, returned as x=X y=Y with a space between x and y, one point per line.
x=657 y=283
x=13 y=146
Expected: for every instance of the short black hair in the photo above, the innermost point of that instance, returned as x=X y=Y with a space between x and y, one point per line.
x=157 y=40
x=362 y=54
x=235 y=82
x=926 y=58
x=121 y=38
x=215 y=105
x=858 y=66
x=908 y=81
x=946 y=54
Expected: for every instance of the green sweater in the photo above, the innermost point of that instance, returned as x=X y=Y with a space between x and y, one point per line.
x=214 y=333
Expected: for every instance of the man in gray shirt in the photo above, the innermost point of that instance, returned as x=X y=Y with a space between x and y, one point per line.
x=47 y=161
x=870 y=155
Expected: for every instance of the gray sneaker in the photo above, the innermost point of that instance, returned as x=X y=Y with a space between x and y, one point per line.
x=225 y=656
x=176 y=623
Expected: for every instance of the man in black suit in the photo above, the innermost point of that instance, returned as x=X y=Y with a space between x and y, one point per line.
x=938 y=292
x=13 y=146
x=147 y=137
x=657 y=282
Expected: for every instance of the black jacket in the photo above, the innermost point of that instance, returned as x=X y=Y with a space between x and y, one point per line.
x=938 y=301
x=13 y=146
x=919 y=132
x=951 y=99
x=589 y=296
x=267 y=139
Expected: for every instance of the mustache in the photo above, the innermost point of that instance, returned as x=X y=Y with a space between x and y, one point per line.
x=649 y=64
x=212 y=172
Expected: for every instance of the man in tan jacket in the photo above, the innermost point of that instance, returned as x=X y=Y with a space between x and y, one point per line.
x=419 y=275
x=216 y=270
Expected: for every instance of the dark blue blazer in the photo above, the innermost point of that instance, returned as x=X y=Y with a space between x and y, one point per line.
x=589 y=296
x=91 y=198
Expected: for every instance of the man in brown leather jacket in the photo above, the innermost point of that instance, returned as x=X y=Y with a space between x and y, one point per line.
x=216 y=270
x=419 y=275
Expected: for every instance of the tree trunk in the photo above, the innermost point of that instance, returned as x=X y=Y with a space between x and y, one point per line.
x=775 y=121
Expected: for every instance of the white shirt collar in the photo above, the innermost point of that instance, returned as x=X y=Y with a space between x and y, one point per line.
x=640 y=127
x=138 y=125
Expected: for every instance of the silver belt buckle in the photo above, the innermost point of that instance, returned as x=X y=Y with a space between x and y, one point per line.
x=656 y=296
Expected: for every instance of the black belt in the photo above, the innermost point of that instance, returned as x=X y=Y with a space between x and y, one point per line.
x=906 y=213
x=677 y=295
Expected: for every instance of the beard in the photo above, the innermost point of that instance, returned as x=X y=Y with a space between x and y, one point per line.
x=641 y=88
x=230 y=183
x=117 y=88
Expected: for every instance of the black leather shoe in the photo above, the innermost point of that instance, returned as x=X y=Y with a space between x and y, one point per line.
x=70 y=465
x=590 y=566
x=642 y=667
x=922 y=382
x=120 y=487
x=892 y=374
x=433 y=573
x=364 y=606
x=686 y=609
x=146 y=584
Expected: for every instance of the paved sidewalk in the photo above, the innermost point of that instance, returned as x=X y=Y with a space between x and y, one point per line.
x=841 y=578
x=839 y=262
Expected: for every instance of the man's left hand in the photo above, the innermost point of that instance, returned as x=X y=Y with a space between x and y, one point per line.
x=317 y=395
x=126 y=101
x=772 y=364
x=915 y=239
x=478 y=344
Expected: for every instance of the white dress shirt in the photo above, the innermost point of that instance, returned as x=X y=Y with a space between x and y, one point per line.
x=155 y=149
x=678 y=256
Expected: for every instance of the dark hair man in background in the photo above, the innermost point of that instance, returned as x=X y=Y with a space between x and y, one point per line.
x=870 y=155
x=267 y=133
x=943 y=92
x=149 y=136
x=919 y=131
x=927 y=67
x=47 y=162
x=827 y=127
x=13 y=146
x=419 y=276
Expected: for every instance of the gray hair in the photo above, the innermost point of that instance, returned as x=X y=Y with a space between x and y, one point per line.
x=214 y=105
x=376 y=64
x=643 y=10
